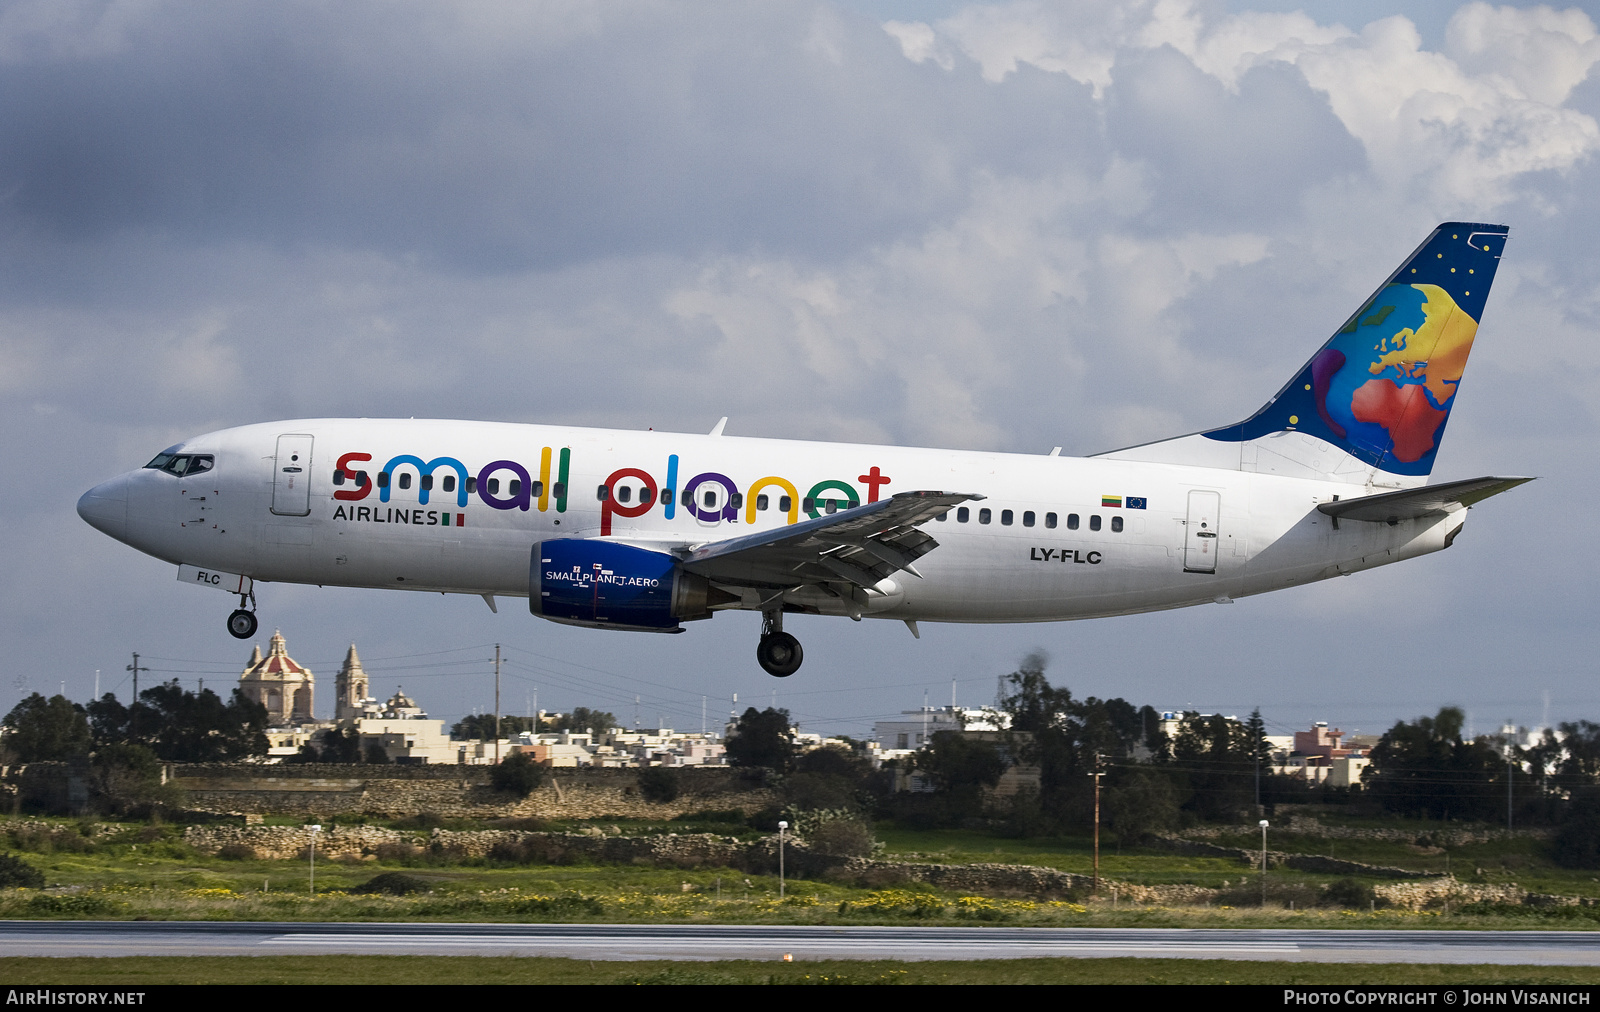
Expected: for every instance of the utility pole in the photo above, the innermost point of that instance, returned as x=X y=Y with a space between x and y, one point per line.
x=497 y=704
x=134 y=667
x=1097 y=774
x=1510 y=770
x=1263 y=864
x=133 y=713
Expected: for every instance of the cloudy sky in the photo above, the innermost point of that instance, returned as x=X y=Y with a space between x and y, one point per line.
x=1008 y=226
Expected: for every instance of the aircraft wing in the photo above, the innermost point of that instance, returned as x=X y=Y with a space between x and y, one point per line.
x=1412 y=503
x=861 y=545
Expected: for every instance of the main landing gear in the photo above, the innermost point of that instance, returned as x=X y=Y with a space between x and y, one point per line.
x=242 y=623
x=778 y=653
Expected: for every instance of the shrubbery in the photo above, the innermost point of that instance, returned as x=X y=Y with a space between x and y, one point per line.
x=517 y=774
x=15 y=873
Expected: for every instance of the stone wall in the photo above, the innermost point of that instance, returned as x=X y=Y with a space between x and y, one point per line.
x=685 y=850
x=1318 y=863
x=1452 y=835
x=329 y=791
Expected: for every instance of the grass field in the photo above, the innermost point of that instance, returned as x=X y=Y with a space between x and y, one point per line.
x=145 y=871
x=414 y=970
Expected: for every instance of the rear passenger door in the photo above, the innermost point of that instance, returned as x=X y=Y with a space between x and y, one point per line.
x=1200 y=533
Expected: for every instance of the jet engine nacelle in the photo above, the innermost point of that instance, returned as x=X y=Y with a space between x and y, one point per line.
x=607 y=585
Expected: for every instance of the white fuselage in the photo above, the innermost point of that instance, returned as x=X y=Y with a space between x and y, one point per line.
x=244 y=515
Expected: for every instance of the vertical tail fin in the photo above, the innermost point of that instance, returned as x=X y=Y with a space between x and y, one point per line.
x=1380 y=390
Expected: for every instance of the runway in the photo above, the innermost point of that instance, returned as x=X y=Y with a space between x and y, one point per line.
x=762 y=942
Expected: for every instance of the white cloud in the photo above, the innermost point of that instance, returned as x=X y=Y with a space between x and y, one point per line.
x=1462 y=125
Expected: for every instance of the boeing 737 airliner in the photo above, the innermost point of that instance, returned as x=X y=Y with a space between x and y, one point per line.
x=647 y=530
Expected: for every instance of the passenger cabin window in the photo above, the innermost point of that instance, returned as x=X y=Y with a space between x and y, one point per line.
x=963 y=515
x=1072 y=521
x=1116 y=524
x=625 y=493
x=383 y=480
x=427 y=482
x=833 y=505
x=736 y=500
x=449 y=483
x=984 y=515
x=785 y=503
x=710 y=499
x=1027 y=518
x=516 y=487
x=494 y=485
x=761 y=502
x=536 y=489
x=1005 y=518
x=405 y=479
x=602 y=493
x=1050 y=520
x=666 y=496
x=559 y=489
x=1094 y=522
x=472 y=485
x=808 y=504
x=688 y=497
x=943 y=516
x=338 y=477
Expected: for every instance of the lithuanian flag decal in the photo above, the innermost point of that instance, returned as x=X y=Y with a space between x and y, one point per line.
x=1111 y=500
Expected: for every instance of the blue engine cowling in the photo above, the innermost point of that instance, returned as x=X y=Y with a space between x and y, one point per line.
x=601 y=583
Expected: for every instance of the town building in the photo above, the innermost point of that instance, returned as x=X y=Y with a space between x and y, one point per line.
x=353 y=702
x=915 y=728
x=284 y=687
x=408 y=737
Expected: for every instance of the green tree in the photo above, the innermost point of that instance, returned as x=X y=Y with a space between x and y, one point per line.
x=1576 y=843
x=583 y=720
x=658 y=784
x=47 y=730
x=1066 y=738
x=1214 y=757
x=517 y=774
x=341 y=745
x=181 y=726
x=480 y=726
x=1140 y=801
x=1424 y=767
x=762 y=738
x=832 y=777
x=198 y=727
x=960 y=764
x=126 y=779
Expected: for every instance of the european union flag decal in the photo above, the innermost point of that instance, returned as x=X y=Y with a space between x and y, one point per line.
x=1135 y=502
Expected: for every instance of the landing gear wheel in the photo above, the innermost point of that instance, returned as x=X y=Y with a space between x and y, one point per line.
x=242 y=624
x=779 y=654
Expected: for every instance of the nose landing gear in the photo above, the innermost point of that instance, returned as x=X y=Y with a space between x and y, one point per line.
x=242 y=623
x=778 y=653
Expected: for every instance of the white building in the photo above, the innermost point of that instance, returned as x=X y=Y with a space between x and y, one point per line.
x=915 y=728
x=407 y=735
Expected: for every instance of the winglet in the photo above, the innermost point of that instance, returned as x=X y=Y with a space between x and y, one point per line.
x=716 y=430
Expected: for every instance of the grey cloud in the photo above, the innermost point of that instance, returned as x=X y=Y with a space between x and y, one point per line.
x=1225 y=161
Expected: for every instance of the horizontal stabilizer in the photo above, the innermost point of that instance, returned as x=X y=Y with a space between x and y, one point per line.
x=1413 y=503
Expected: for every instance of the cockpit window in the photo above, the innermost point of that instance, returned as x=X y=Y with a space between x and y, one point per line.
x=181 y=464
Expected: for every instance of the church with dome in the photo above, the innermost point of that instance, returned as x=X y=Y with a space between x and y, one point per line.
x=287 y=690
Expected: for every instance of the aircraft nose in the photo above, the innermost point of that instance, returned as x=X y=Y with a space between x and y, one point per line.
x=105 y=507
